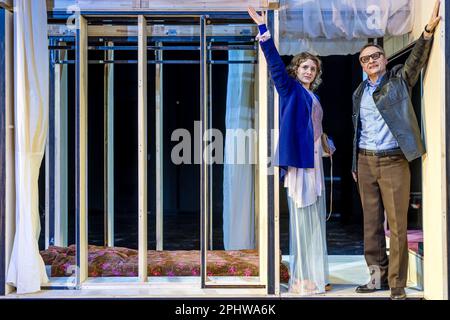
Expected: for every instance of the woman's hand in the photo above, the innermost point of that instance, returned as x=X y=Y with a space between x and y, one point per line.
x=434 y=20
x=259 y=19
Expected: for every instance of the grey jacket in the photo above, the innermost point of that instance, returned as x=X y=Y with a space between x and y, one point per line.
x=393 y=100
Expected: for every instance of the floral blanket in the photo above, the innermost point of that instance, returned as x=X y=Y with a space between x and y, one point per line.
x=123 y=262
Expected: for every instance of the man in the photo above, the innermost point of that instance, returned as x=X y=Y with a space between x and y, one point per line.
x=387 y=136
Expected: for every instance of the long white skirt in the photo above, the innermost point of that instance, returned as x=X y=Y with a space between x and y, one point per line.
x=308 y=261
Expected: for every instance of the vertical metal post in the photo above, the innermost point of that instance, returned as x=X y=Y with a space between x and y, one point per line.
x=272 y=183
x=159 y=149
x=50 y=159
x=81 y=131
x=210 y=111
x=204 y=185
x=108 y=151
x=142 y=146
x=61 y=141
x=263 y=172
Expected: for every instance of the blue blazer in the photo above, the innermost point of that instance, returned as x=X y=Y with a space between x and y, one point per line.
x=296 y=141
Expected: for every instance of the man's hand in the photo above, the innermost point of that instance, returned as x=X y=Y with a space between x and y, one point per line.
x=434 y=20
x=355 y=176
x=259 y=19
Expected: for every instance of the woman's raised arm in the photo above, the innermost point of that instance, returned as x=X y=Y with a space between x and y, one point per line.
x=283 y=82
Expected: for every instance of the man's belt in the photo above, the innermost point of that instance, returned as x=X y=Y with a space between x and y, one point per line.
x=383 y=153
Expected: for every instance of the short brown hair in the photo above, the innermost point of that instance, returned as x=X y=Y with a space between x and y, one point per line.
x=368 y=45
x=298 y=60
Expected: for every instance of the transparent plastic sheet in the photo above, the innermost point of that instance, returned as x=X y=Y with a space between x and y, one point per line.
x=327 y=27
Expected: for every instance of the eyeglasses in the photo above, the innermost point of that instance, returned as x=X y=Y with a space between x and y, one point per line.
x=374 y=56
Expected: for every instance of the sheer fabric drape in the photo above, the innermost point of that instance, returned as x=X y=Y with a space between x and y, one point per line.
x=238 y=178
x=26 y=269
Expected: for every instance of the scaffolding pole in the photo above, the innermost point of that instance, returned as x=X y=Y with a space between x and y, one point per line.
x=109 y=148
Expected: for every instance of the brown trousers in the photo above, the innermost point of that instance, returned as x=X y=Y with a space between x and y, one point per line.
x=384 y=184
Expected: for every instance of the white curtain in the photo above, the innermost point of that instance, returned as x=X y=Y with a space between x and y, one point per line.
x=26 y=269
x=305 y=24
x=238 y=179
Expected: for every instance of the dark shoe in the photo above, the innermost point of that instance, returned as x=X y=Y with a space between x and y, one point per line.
x=369 y=288
x=398 y=294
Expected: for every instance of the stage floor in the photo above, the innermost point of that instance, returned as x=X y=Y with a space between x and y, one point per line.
x=346 y=272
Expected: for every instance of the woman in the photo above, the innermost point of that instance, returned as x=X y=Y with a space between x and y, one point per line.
x=299 y=156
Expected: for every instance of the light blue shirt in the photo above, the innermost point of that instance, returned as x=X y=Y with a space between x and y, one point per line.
x=375 y=134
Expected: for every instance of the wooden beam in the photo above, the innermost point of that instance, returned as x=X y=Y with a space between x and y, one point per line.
x=81 y=122
x=161 y=5
x=447 y=143
x=7 y=5
x=94 y=5
x=59 y=30
x=434 y=178
x=273 y=4
x=209 y=5
x=276 y=171
x=142 y=146
x=262 y=165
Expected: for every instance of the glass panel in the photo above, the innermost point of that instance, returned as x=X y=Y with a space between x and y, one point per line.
x=57 y=242
x=233 y=253
x=180 y=175
x=113 y=235
x=181 y=178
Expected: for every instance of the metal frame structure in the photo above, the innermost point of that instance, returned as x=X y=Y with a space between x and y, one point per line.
x=267 y=98
x=142 y=37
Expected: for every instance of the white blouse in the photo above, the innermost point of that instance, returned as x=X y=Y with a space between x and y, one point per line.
x=305 y=185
